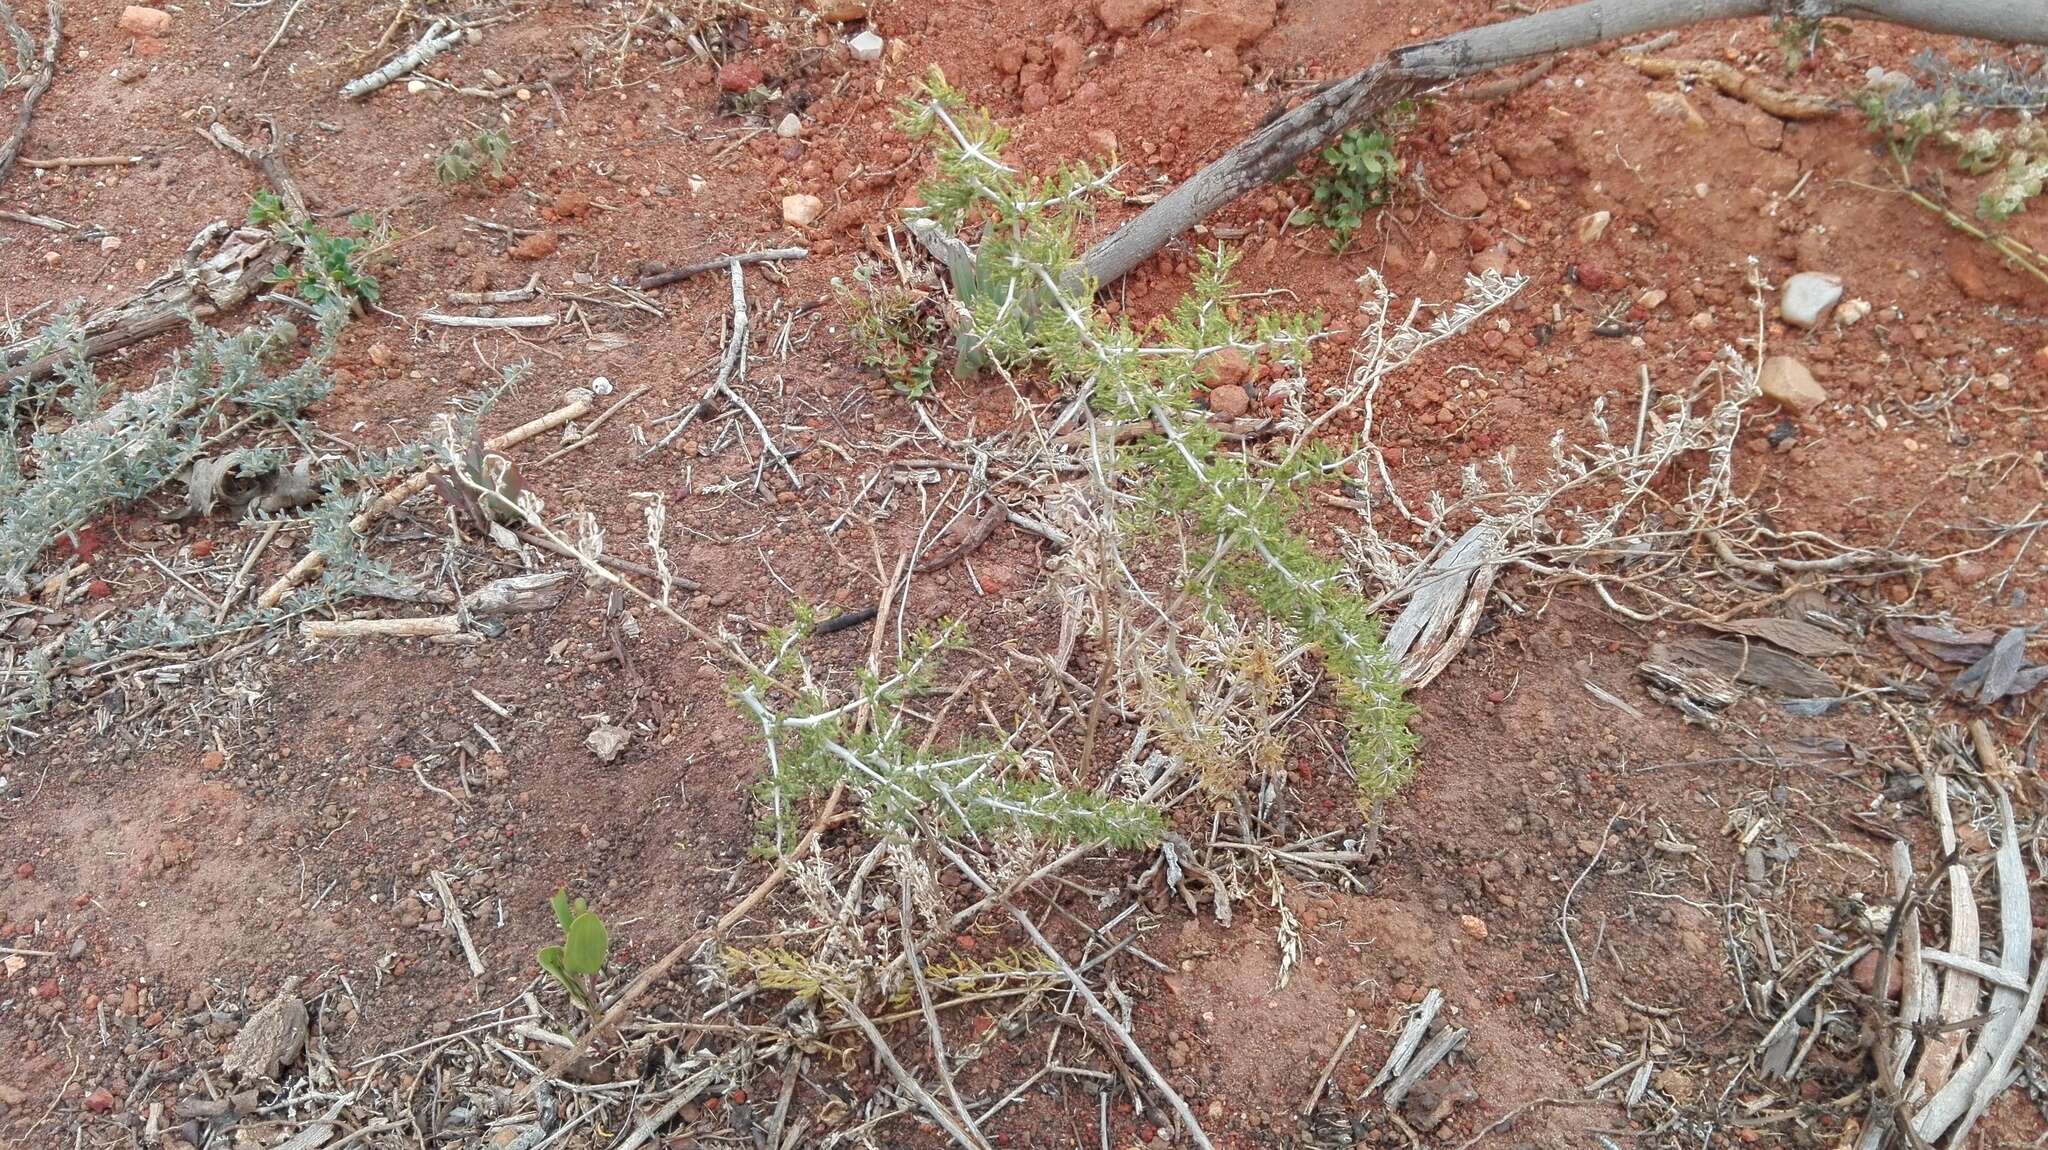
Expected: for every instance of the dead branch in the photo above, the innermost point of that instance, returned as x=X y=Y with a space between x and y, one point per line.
x=667 y=276
x=1785 y=105
x=324 y=630
x=451 y=916
x=438 y=38
x=60 y=163
x=577 y=405
x=269 y=160
x=221 y=268
x=1273 y=151
x=46 y=74
x=545 y=319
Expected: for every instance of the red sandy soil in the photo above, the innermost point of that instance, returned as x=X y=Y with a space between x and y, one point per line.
x=182 y=870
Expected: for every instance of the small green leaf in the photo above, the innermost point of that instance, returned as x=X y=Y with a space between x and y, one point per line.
x=551 y=961
x=560 y=904
x=585 y=944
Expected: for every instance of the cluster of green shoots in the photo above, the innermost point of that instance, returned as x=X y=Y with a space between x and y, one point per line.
x=896 y=331
x=1357 y=177
x=472 y=156
x=1029 y=310
x=329 y=268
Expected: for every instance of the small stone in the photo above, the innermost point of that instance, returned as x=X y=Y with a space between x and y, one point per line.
x=1786 y=382
x=1228 y=26
x=790 y=128
x=415 y=87
x=1808 y=296
x=1593 y=225
x=1864 y=975
x=26 y=870
x=139 y=21
x=801 y=209
x=840 y=11
x=1229 y=401
x=1123 y=17
x=1473 y=926
x=272 y=1039
x=109 y=245
x=538 y=246
x=1852 y=312
x=1466 y=201
x=12 y=1095
x=866 y=47
x=607 y=741
x=1430 y=1103
x=1225 y=368
x=100 y=1101
x=740 y=76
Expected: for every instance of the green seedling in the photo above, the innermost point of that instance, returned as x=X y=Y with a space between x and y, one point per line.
x=1360 y=177
x=581 y=954
x=329 y=268
x=466 y=159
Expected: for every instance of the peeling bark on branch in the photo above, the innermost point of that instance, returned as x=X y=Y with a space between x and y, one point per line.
x=221 y=268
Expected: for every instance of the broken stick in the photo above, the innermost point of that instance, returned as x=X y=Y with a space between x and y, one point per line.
x=576 y=405
x=438 y=38
x=668 y=276
x=221 y=268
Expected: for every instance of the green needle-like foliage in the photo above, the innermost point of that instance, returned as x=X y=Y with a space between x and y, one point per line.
x=1028 y=309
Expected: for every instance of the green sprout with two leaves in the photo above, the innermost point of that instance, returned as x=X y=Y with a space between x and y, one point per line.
x=580 y=955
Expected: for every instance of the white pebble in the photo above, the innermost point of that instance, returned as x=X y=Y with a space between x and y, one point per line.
x=866 y=47
x=415 y=87
x=790 y=127
x=1808 y=296
x=600 y=386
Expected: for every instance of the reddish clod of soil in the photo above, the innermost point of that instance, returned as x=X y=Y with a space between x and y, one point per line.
x=282 y=830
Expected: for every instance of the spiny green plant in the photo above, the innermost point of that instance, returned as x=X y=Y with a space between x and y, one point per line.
x=218 y=392
x=966 y=791
x=327 y=268
x=467 y=158
x=1358 y=176
x=579 y=957
x=1026 y=308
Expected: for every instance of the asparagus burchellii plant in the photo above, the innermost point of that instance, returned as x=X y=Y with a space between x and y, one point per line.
x=1233 y=509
